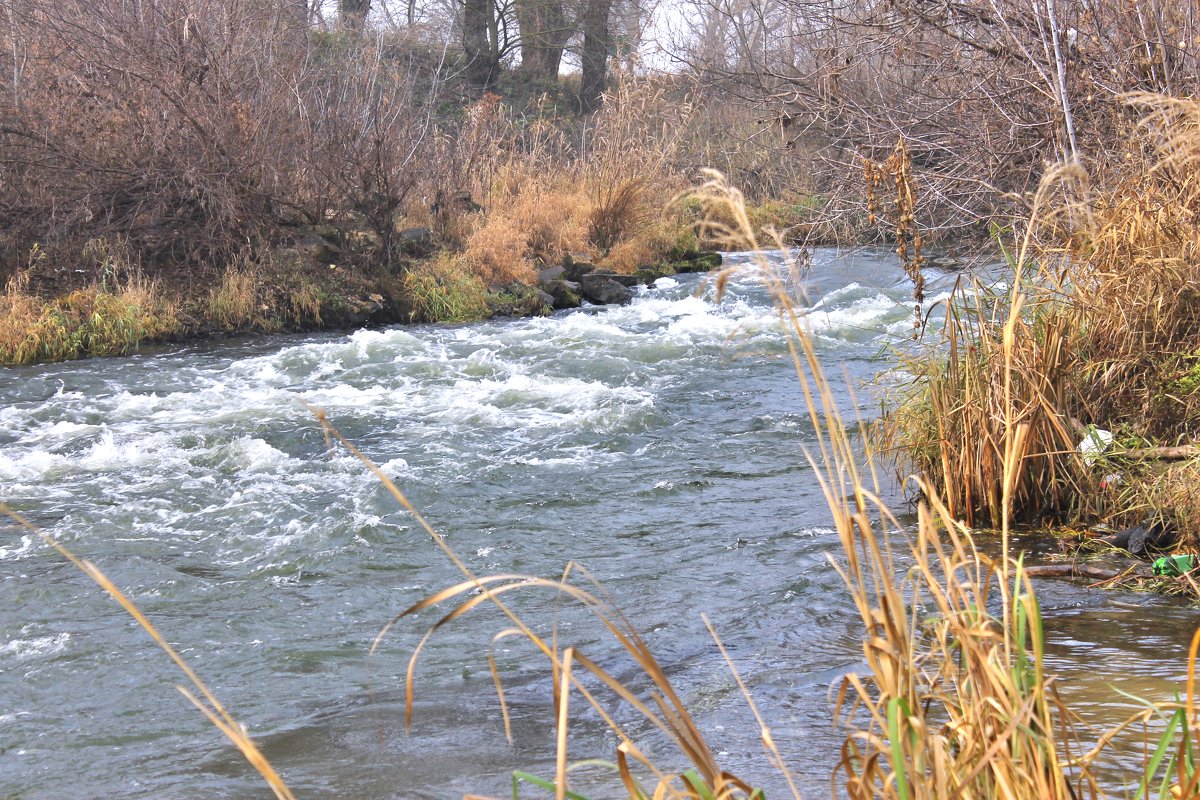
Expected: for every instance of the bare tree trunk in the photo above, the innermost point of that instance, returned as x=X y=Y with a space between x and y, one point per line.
x=1064 y=99
x=352 y=14
x=544 y=34
x=595 y=54
x=479 y=25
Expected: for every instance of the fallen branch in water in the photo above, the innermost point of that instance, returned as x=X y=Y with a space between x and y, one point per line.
x=1073 y=571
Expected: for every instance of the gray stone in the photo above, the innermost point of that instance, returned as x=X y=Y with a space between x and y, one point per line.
x=625 y=280
x=416 y=240
x=574 y=270
x=563 y=294
x=317 y=248
x=550 y=274
x=946 y=262
x=603 y=290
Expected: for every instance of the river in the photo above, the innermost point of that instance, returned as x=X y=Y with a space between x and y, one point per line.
x=661 y=444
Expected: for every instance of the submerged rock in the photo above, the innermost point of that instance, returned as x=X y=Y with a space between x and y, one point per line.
x=1141 y=539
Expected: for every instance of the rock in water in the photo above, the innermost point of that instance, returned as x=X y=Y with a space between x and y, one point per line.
x=1141 y=539
x=603 y=290
x=577 y=269
x=564 y=294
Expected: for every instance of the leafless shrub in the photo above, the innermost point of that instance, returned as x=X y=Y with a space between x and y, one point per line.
x=196 y=130
x=984 y=92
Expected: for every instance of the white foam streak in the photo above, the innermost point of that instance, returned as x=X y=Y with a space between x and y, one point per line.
x=23 y=649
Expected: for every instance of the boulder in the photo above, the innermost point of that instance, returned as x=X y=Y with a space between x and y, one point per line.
x=563 y=294
x=948 y=263
x=519 y=300
x=326 y=231
x=549 y=275
x=317 y=249
x=574 y=270
x=1142 y=539
x=364 y=241
x=418 y=241
x=628 y=281
x=603 y=290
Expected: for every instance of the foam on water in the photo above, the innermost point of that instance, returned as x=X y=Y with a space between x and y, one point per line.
x=26 y=546
x=528 y=377
x=40 y=646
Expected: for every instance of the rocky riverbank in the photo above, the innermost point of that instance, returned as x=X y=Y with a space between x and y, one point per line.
x=317 y=277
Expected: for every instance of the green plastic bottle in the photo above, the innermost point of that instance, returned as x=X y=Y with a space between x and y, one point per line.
x=1174 y=565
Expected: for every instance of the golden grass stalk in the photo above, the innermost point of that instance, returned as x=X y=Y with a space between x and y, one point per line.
x=1097 y=329
x=957 y=703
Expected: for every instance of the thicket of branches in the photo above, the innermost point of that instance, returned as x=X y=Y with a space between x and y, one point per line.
x=984 y=92
x=200 y=130
x=195 y=129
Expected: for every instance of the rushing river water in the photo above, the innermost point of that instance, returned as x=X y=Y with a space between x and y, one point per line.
x=660 y=444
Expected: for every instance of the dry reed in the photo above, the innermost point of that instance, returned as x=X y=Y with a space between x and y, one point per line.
x=1098 y=329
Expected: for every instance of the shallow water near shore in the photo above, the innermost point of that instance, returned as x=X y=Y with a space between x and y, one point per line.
x=661 y=444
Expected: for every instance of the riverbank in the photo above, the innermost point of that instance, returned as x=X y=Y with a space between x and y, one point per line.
x=657 y=442
x=1066 y=392
x=326 y=279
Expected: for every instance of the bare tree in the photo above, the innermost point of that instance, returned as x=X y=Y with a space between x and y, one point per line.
x=481 y=41
x=545 y=28
x=194 y=130
x=352 y=14
x=983 y=91
x=597 y=41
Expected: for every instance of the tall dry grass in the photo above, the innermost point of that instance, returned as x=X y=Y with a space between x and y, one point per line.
x=958 y=702
x=1099 y=328
x=551 y=185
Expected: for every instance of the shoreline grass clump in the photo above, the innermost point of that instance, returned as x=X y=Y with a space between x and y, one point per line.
x=1097 y=331
x=94 y=321
x=957 y=702
x=447 y=291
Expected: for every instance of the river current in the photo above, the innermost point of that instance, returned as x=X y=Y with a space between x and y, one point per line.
x=660 y=444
